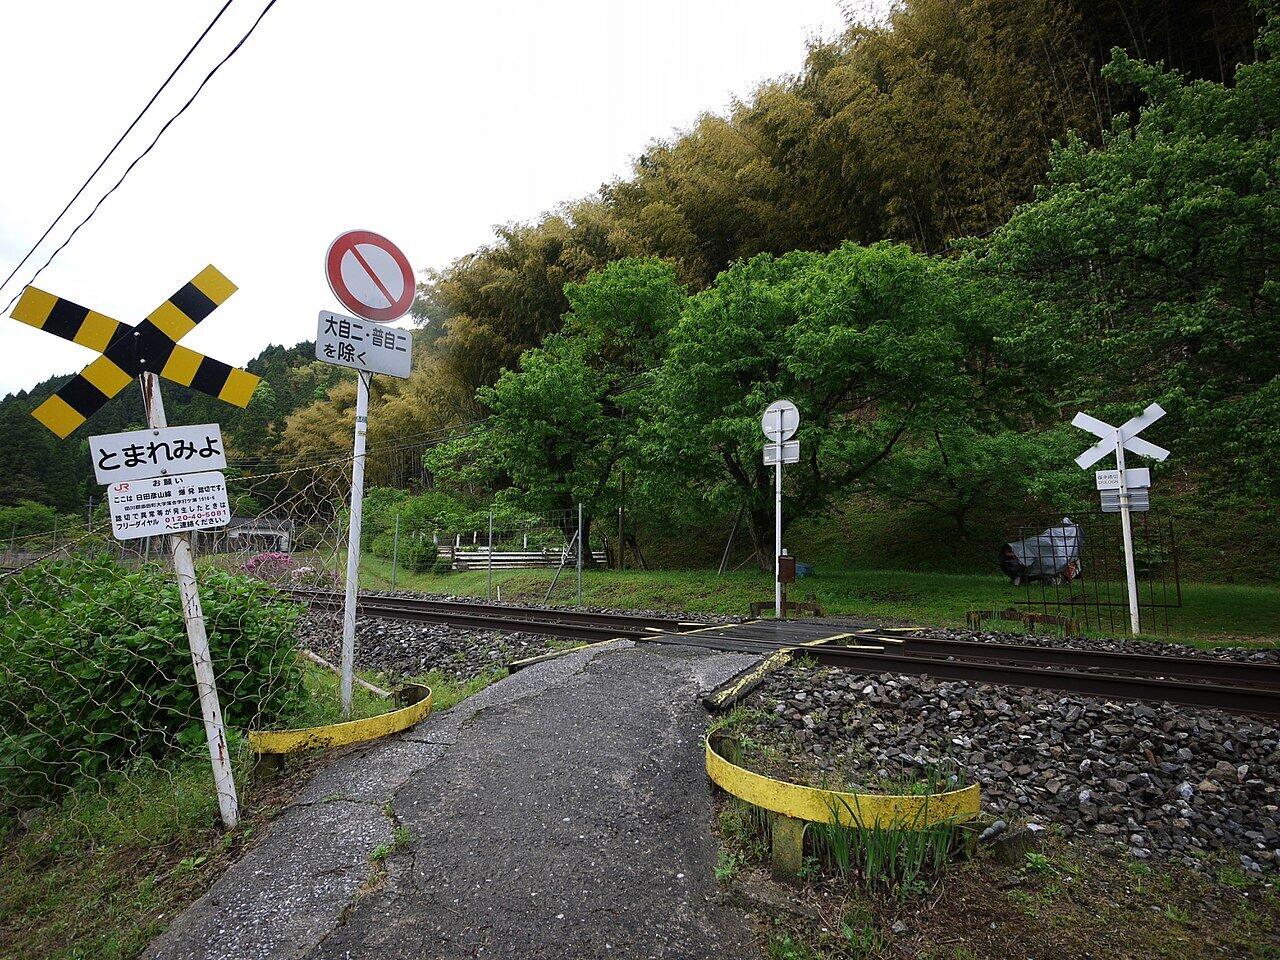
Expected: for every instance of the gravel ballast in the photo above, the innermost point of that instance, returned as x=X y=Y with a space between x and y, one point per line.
x=1159 y=780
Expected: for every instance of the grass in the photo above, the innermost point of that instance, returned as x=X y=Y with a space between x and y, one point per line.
x=1211 y=613
x=102 y=873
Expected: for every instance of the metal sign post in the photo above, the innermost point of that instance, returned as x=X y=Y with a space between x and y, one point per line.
x=1116 y=440
x=372 y=278
x=184 y=567
x=353 y=541
x=779 y=424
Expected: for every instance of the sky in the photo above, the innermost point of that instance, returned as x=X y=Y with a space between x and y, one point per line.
x=429 y=122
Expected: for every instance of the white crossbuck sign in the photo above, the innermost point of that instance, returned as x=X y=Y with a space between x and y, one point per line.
x=1127 y=433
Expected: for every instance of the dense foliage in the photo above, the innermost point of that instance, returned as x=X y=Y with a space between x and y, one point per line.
x=96 y=671
x=942 y=236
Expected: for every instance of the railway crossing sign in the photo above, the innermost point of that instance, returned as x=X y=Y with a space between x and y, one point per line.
x=1126 y=435
x=155 y=503
x=149 y=347
x=1123 y=491
x=370 y=276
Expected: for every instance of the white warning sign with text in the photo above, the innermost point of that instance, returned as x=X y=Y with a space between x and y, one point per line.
x=158 y=452
x=163 y=505
x=363 y=345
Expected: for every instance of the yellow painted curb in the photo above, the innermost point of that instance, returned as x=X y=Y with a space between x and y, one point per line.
x=815 y=805
x=342 y=734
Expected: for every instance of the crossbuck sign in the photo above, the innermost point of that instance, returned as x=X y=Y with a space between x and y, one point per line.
x=1117 y=440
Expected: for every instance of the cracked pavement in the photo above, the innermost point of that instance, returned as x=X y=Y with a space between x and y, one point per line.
x=561 y=812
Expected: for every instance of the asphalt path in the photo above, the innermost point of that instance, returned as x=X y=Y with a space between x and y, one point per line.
x=562 y=812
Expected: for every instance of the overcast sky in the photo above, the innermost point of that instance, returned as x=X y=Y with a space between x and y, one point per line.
x=429 y=122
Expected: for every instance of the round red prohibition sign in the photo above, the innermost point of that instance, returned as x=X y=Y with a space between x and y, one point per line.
x=370 y=276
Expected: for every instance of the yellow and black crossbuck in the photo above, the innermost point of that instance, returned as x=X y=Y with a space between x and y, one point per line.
x=151 y=346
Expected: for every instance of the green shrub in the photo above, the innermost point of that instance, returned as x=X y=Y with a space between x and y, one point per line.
x=442 y=565
x=97 y=675
x=417 y=554
x=384 y=545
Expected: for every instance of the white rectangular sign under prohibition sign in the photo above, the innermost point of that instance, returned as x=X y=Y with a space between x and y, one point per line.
x=363 y=345
x=163 y=505
x=159 y=452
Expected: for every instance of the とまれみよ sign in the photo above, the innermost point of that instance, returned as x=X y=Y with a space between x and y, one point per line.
x=161 y=505
x=159 y=452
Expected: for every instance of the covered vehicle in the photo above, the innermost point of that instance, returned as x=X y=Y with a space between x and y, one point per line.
x=1052 y=556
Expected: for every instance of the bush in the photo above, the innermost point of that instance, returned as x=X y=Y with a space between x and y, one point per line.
x=273 y=566
x=418 y=554
x=96 y=672
x=384 y=546
x=442 y=565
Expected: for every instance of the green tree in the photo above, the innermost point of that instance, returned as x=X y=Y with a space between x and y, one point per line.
x=1151 y=267
x=568 y=416
x=869 y=343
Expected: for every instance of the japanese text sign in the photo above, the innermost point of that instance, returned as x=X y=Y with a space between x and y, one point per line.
x=363 y=345
x=159 y=452
x=160 y=505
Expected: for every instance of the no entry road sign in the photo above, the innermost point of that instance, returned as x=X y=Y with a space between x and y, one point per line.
x=370 y=276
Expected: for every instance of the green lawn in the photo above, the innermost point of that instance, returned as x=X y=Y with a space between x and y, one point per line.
x=1211 y=613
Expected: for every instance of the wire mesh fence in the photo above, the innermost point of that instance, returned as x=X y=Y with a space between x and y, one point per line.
x=1074 y=567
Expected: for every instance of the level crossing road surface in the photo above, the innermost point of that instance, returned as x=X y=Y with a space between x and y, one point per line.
x=562 y=812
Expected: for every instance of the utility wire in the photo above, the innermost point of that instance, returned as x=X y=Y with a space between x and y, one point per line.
x=168 y=123
x=116 y=146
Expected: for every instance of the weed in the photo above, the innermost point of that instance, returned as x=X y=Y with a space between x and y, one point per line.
x=787 y=947
x=728 y=864
x=883 y=857
x=1039 y=863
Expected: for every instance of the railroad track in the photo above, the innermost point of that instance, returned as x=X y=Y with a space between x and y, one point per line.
x=1251 y=688
x=573 y=624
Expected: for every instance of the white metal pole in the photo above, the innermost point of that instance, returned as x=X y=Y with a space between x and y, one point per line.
x=777 y=537
x=579 y=554
x=1126 y=527
x=395 y=551
x=353 y=541
x=184 y=568
x=777 y=524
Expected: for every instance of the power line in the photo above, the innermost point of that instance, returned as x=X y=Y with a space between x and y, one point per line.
x=114 y=147
x=168 y=123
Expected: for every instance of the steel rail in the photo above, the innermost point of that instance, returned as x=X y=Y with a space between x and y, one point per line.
x=1248 y=700
x=1012 y=664
x=423 y=605
x=1184 y=668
